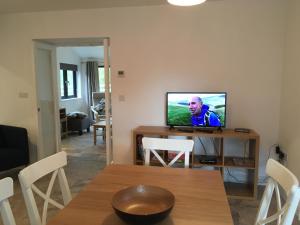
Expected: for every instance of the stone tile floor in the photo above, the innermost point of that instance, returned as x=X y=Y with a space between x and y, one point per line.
x=84 y=161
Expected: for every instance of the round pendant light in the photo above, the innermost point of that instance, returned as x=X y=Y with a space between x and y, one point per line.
x=186 y=2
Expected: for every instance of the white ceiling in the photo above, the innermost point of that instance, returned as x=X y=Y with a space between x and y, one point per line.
x=13 y=6
x=95 y=52
x=17 y=6
x=86 y=53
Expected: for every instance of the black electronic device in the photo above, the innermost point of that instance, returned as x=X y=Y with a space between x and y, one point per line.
x=243 y=130
x=202 y=110
x=208 y=159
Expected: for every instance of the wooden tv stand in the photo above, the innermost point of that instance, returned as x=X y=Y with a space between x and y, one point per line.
x=249 y=162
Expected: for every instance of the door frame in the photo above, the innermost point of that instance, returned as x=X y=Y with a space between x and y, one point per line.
x=52 y=44
x=54 y=70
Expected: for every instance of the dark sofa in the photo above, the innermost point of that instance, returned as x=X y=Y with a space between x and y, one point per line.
x=79 y=124
x=14 y=149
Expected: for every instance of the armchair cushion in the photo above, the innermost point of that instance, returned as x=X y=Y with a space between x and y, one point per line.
x=77 y=115
x=1 y=142
x=12 y=157
x=14 y=150
x=79 y=124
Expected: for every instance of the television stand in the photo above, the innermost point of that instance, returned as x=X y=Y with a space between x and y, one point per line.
x=206 y=129
x=197 y=129
x=185 y=130
x=224 y=160
x=171 y=128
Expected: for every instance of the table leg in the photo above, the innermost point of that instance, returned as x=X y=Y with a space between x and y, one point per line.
x=95 y=135
x=104 y=134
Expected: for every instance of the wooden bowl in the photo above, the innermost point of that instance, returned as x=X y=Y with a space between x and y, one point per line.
x=143 y=204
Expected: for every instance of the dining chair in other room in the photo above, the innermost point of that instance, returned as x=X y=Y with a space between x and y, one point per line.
x=280 y=180
x=176 y=145
x=53 y=164
x=6 y=191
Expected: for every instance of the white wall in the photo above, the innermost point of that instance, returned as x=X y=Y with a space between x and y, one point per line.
x=234 y=46
x=79 y=104
x=290 y=104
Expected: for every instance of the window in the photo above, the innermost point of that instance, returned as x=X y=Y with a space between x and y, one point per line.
x=102 y=80
x=68 y=81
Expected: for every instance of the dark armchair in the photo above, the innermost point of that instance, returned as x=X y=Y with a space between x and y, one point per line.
x=78 y=121
x=14 y=149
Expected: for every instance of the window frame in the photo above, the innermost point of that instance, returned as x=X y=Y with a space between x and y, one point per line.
x=102 y=66
x=65 y=68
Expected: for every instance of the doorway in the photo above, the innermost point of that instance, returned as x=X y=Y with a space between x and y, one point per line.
x=70 y=106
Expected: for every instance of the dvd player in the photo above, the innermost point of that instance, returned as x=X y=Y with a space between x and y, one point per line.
x=208 y=159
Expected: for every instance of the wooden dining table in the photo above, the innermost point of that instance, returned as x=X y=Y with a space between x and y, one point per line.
x=200 y=196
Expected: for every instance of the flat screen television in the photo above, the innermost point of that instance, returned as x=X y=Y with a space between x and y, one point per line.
x=196 y=109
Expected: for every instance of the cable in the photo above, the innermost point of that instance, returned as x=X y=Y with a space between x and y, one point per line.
x=215 y=149
x=270 y=148
x=204 y=149
x=269 y=154
x=239 y=181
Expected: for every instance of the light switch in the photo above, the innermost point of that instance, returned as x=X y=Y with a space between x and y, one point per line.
x=23 y=95
x=122 y=98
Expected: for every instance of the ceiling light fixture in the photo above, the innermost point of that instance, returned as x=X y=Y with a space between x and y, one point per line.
x=186 y=2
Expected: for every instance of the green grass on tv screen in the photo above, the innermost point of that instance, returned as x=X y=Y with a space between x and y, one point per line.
x=180 y=115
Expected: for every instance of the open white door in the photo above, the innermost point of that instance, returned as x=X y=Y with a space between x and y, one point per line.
x=46 y=80
x=108 y=116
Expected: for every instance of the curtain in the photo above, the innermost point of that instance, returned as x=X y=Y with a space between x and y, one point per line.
x=92 y=83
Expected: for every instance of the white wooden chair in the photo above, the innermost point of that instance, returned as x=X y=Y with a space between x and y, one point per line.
x=96 y=98
x=278 y=174
x=6 y=191
x=176 y=145
x=34 y=172
x=97 y=116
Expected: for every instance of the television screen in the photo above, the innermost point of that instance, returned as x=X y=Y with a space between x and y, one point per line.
x=197 y=109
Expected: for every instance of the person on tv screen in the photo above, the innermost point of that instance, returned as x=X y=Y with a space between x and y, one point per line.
x=201 y=115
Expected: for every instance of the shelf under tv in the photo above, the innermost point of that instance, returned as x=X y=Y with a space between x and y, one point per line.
x=198 y=129
x=239 y=190
x=224 y=162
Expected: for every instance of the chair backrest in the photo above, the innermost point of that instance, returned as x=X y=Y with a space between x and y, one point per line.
x=97 y=116
x=164 y=144
x=279 y=175
x=96 y=97
x=52 y=164
x=6 y=191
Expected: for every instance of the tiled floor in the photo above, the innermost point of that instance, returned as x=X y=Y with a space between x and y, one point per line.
x=84 y=162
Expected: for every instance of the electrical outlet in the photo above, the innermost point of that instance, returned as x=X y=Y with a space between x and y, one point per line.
x=281 y=154
x=23 y=95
